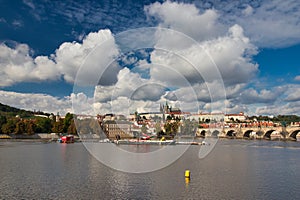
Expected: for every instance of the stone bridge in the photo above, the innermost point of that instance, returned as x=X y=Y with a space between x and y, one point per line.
x=292 y=133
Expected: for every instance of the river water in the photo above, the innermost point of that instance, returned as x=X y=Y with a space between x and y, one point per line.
x=235 y=169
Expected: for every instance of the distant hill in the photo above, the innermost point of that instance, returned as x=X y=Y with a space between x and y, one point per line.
x=9 y=111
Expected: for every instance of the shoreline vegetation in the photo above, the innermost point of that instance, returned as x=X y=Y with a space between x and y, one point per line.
x=21 y=124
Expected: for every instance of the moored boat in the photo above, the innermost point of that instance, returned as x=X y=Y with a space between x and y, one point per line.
x=66 y=139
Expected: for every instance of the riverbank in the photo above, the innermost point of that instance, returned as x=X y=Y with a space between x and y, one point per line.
x=40 y=137
x=46 y=138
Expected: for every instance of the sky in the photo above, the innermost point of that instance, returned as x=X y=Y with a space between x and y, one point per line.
x=90 y=57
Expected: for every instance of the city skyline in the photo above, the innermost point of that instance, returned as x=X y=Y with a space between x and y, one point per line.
x=255 y=46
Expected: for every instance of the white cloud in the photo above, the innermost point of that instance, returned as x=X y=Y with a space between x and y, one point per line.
x=252 y=96
x=186 y=18
x=266 y=23
x=230 y=51
x=18 y=65
x=248 y=11
x=232 y=54
x=77 y=103
x=233 y=108
x=226 y=106
x=228 y=56
x=42 y=102
x=271 y=24
x=92 y=55
x=29 y=3
x=17 y=23
x=292 y=108
x=293 y=93
x=297 y=78
x=127 y=83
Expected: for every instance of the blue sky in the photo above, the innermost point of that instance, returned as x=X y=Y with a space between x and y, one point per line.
x=255 y=45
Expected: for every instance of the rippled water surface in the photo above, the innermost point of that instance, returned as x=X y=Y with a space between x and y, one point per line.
x=235 y=169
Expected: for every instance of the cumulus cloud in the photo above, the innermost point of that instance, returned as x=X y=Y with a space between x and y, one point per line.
x=78 y=103
x=293 y=93
x=151 y=92
x=36 y=102
x=233 y=56
x=252 y=96
x=187 y=18
x=18 y=65
x=92 y=55
x=228 y=50
x=292 y=108
x=272 y=24
x=127 y=83
x=269 y=24
x=228 y=56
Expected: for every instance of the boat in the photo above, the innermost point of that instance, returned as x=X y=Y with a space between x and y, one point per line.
x=145 y=137
x=66 y=139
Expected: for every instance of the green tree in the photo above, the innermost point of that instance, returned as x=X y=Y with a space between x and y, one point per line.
x=169 y=118
x=171 y=127
x=20 y=128
x=72 y=128
x=58 y=127
x=67 y=122
x=30 y=127
x=157 y=127
x=9 y=127
x=3 y=120
x=43 y=125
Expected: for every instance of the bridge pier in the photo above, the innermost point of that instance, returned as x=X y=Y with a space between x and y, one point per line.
x=298 y=138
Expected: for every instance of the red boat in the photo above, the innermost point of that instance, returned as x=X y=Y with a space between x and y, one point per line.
x=66 y=139
x=145 y=137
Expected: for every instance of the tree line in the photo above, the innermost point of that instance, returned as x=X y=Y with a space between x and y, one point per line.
x=29 y=126
x=283 y=119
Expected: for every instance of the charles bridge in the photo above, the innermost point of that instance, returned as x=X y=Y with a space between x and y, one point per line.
x=272 y=133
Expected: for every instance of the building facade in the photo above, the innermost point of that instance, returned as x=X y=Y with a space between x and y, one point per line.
x=113 y=128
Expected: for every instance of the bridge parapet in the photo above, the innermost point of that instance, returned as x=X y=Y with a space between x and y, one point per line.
x=248 y=132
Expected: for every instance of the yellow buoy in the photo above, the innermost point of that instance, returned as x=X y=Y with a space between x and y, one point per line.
x=187 y=174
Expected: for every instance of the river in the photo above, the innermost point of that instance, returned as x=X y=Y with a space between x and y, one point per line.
x=235 y=169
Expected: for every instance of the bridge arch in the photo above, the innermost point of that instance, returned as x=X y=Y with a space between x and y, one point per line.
x=203 y=133
x=231 y=133
x=247 y=133
x=294 y=134
x=215 y=133
x=268 y=134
